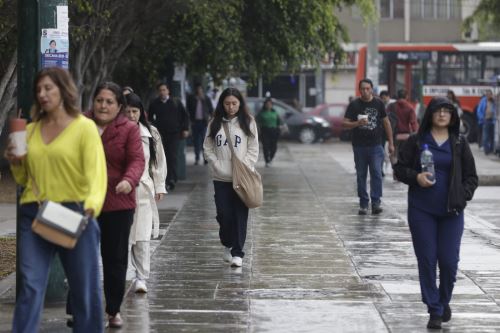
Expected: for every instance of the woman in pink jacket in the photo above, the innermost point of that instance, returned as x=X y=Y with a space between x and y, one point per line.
x=125 y=163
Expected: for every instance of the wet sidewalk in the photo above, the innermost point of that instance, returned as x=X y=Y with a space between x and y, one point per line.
x=311 y=265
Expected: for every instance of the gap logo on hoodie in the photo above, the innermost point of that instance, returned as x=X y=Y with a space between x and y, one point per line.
x=218 y=141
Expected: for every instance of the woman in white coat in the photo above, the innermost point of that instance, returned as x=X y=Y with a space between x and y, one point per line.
x=151 y=189
x=232 y=214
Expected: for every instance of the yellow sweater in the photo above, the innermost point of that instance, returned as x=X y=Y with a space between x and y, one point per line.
x=70 y=168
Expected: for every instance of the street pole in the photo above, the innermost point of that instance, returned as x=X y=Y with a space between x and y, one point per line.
x=33 y=17
x=372 y=63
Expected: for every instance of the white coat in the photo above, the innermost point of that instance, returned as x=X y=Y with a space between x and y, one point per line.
x=146 y=218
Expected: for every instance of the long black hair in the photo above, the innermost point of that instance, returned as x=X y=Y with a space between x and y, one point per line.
x=244 y=118
x=434 y=105
x=134 y=101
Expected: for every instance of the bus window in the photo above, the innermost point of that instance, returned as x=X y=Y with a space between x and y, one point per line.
x=473 y=74
x=452 y=68
x=492 y=68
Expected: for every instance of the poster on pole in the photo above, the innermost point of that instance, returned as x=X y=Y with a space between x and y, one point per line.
x=54 y=48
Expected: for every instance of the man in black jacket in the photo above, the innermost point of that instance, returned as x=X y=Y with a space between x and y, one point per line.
x=200 y=110
x=171 y=119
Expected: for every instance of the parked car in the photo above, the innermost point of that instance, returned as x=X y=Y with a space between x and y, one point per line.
x=303 y=127
x=334 y=114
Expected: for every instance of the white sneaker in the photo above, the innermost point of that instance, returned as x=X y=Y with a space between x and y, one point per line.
x=236 y=262
x=227 y=254
x=140 y=286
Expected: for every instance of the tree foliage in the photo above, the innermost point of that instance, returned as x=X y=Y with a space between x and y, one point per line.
x=487 y=17
x=8 y=58
x=137 y=42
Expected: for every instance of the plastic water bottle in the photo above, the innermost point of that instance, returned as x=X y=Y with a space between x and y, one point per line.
x=427 y=162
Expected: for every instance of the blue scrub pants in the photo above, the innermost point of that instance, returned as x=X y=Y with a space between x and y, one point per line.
x=80 y=264
x=436 y=241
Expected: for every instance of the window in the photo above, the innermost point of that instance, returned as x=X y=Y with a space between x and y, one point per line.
x=452 y=68
x=392 y=8
x=492 y=68
x=473 y=74
x=435 y=9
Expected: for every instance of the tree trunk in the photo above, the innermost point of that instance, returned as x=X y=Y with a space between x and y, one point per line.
x=8 y=87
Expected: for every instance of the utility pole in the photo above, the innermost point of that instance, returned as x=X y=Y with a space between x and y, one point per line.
x=39 y=21
x=372 y=63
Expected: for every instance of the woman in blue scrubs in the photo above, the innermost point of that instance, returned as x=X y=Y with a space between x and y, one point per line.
x=435 y=208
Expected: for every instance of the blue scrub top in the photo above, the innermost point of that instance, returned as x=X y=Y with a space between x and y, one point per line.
x=434 y=199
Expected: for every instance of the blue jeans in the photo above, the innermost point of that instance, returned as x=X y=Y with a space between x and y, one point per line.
x=436 y=241
x=369 y=158
x=488 y=135
x=81 y=266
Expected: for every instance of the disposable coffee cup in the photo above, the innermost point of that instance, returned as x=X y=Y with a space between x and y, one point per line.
x=17 y=136
x=362 y=116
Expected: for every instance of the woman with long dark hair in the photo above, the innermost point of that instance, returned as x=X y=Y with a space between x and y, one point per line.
x=151 y=189
x=436 y=202
x=232 y=214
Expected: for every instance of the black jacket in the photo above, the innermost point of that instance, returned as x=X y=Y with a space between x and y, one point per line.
x=463 y=177
x=168 y=117
x=192 y=103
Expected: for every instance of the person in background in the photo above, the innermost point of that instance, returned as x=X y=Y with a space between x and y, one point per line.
x=172 y=121
x=269 y=124
x=386 y=98
x=407 y=118
x=366 y=117
x=436 y=209
x=125 y=164
x=486 y=116
x=127 y=90
x=200 y=110
x=232 y=214
x=151 y=189
x=66 y=164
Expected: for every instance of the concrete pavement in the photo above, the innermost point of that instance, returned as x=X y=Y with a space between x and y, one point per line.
x=312 y=264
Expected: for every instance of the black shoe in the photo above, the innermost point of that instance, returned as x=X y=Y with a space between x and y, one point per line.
x=170 y=186
x=435 y=322
x=205 y=162
x=376 y=209
x=362 y=211
x=69 y=322
x=446 y=313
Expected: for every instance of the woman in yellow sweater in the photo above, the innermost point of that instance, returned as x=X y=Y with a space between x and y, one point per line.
x=66 y=160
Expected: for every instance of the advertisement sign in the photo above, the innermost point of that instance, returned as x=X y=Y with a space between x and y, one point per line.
x=54 y=48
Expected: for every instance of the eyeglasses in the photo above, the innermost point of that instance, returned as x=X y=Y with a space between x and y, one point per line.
x=444 y=111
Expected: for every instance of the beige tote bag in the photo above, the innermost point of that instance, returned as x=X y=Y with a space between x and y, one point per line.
x=246 y=182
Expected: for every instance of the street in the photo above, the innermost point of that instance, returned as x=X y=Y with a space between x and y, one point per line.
x=312 y=264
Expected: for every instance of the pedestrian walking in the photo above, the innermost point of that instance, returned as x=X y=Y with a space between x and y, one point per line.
x=406 y=116
x=200 y=110
x=65 y=163
x=435 y=208
x=486 y=116
x=125 y=164
x=232 y=213
x=151 y=189
x=367 y=118
x=171 y=120
x=269 y=124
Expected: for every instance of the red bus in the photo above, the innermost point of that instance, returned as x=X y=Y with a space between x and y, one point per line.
x=427 y=70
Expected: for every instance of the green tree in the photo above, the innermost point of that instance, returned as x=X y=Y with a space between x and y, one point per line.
x=219 y=37
x=8 y=58
x=487 y=17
